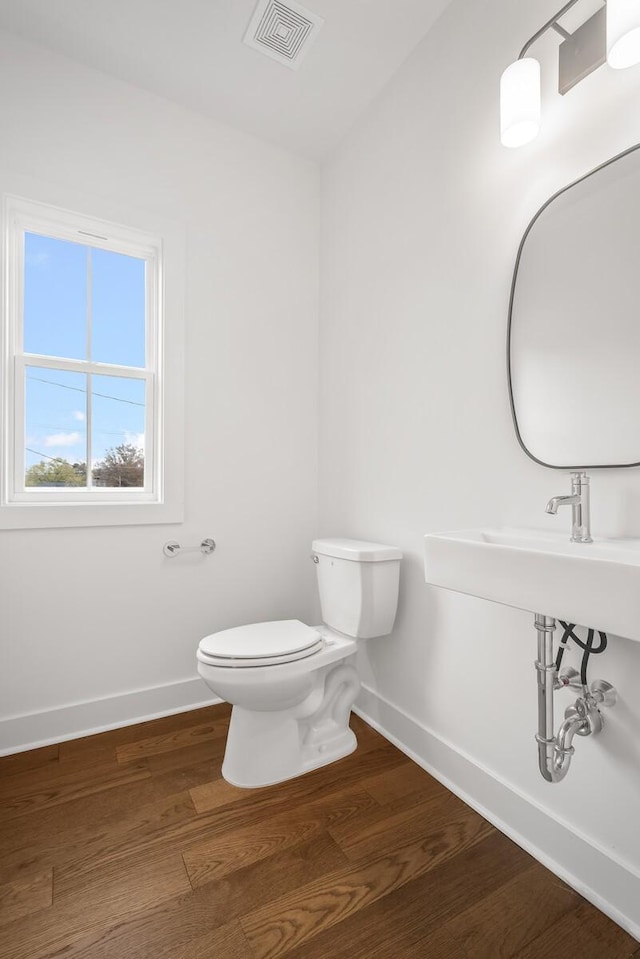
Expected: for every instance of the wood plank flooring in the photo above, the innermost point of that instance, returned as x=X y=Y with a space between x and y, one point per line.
x=130 y=845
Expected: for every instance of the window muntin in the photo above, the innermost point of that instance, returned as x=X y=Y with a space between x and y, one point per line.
x=83 y=336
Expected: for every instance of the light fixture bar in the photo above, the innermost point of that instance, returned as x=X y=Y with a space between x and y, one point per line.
x=551 y=24
x=561 y=30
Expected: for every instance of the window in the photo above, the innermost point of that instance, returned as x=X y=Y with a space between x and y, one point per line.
x=83 y=377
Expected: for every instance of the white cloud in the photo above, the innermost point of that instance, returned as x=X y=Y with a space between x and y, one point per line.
x=135 y=439
x=79 y=416
x=62 y=439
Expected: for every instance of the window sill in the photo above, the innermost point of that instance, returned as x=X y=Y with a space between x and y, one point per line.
x=58 y=515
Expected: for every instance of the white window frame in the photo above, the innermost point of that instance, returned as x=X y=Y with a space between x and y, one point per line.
x=160 y=500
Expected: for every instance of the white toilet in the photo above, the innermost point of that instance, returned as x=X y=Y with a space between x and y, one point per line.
x=292 y=686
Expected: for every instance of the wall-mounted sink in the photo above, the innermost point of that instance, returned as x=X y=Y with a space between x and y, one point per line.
x=593 y=584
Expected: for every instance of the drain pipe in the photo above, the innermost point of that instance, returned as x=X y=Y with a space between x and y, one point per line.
x=552 y=770
x=582 y=719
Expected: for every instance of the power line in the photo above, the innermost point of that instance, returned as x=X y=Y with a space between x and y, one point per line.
x=78 y=389
x=46 y=455
x=66 y=429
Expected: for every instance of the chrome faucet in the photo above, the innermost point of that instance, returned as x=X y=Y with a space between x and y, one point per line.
x=579 y=503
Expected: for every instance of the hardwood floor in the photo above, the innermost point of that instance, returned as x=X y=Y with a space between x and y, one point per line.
x=129 y=844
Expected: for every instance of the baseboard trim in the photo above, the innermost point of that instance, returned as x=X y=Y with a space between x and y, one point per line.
x=606 y=882
x=31 y=730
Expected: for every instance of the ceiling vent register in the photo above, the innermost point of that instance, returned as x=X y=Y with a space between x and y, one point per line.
x=283 y=31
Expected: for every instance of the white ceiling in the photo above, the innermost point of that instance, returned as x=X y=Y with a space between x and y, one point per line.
x=191 y=52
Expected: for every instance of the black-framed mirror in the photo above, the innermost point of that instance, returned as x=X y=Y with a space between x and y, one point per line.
x=573 y=341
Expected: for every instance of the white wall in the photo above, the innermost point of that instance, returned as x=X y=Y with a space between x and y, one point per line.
x=93 y=613
x=423 y=214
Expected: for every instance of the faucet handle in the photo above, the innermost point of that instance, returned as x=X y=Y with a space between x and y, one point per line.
x=579 y=481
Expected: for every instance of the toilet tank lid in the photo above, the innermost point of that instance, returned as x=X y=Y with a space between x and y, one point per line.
x=355 y=549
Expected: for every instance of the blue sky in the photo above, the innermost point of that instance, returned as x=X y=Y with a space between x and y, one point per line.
x=58 y=299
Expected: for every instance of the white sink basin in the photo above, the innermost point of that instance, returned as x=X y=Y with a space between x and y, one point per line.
x=592 y=584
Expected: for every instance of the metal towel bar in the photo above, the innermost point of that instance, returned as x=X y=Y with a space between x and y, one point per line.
x=172 y=548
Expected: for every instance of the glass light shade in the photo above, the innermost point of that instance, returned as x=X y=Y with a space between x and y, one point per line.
x=520 y=102
x=623 y=33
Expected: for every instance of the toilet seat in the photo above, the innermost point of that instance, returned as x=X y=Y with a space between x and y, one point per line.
x=260 y=644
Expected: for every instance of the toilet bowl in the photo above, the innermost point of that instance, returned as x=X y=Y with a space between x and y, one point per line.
x=292 y=686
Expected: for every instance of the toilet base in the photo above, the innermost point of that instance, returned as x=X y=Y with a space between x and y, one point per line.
x=248 y=775
x=268 y=747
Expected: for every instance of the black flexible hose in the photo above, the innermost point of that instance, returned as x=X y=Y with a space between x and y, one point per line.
x=586 y=645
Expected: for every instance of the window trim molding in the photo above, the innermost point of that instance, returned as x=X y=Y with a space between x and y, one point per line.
x=163 y=240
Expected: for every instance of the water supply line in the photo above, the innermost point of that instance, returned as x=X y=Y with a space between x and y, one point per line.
x=583 y=718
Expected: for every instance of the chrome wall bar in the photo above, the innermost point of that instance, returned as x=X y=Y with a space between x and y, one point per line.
x=172 y=548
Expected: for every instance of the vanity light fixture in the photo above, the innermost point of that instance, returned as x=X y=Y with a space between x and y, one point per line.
x=611 y=35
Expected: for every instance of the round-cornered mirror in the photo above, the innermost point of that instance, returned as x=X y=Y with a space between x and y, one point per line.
x=574 y=323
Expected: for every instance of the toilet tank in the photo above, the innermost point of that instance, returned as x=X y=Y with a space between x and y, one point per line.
x=358 y=585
